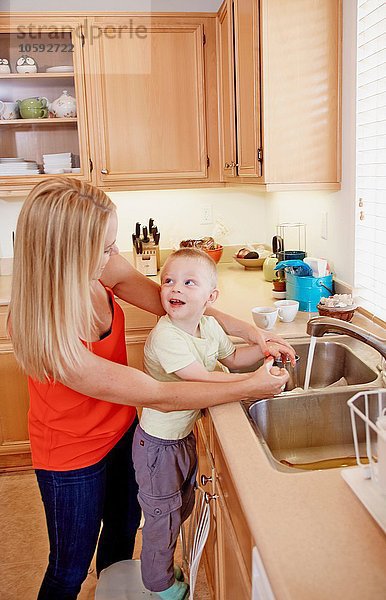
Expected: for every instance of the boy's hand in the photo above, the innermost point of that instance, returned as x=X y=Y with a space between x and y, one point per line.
x=271 y=344
x=277 y=350
x=268 y=380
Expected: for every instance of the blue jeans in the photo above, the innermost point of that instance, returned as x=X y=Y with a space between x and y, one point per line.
x=76 y=502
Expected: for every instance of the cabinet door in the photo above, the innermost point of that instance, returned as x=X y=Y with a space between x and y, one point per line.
x=206 y=469
x=27 y=136
x=301 y=44
x=14 y=403
x=234 y=579
x=149 y=101
x=227 y=91
x=247 y=71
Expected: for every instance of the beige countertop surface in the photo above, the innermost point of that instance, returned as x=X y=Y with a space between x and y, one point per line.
x=316 y=539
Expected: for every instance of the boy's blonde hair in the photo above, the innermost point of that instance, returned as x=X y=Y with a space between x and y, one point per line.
x=59 y=247
x=198 y=256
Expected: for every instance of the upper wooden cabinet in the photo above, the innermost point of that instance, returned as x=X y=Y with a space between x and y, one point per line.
x=151 y=100
x=284 y=60
x=55 y=46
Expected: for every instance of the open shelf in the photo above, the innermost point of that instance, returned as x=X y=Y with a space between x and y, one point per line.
x=35 y=75
x=46 y=121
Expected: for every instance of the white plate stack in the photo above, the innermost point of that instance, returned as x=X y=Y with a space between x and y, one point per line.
x=56 y=164
x=18 y=166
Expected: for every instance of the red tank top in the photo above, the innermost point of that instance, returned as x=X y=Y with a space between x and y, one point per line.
x=69 y=430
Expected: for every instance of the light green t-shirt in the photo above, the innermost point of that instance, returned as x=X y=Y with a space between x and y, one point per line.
x=169 y=349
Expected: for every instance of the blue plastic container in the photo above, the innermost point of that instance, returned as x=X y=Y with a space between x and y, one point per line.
x=308 y=290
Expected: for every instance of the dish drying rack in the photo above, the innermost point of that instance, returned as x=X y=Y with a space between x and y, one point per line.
x=368 y=479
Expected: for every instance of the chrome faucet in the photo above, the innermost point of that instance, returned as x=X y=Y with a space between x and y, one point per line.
x=318 y=326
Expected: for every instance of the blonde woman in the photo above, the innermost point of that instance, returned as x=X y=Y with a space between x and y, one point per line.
x=68 y=336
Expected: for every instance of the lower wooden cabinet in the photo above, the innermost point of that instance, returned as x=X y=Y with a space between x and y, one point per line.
x=14 y=402
x=228 y=551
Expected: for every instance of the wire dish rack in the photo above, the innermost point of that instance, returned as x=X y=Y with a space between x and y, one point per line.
x=368 y=479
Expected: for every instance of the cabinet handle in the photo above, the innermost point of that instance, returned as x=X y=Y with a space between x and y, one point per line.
x=231 y=165
x=205 y=479
x=104 y=171
x=209 y=497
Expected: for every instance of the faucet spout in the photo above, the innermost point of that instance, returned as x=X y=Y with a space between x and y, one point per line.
x=318 y=326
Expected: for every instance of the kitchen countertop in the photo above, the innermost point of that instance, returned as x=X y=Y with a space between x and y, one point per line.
x=316 y=539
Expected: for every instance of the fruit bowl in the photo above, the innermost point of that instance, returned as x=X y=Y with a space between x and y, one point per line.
x=215 y=253
x=250 y=263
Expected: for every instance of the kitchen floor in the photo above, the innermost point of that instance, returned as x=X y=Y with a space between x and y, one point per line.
x=24 y=545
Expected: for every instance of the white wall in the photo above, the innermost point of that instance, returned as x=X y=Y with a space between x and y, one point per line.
x=248 y=215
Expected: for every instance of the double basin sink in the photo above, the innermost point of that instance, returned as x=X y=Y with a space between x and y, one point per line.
x=311 y=430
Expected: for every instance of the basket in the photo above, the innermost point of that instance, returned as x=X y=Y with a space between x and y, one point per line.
x=344 y=314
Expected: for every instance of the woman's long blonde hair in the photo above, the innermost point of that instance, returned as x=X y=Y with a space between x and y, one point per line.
x=59 y=247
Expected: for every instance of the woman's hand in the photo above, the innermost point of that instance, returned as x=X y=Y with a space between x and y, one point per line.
x=268 y=380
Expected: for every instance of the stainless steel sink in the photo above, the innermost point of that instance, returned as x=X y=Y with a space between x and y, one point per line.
x=332 y=361
x=306 y=432
x=303 y=431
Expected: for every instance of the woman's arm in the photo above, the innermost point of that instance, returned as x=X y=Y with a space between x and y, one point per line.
x=106 y=380
x=130 y=285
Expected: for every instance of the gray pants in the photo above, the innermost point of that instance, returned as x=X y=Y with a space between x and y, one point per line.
x=165 y=471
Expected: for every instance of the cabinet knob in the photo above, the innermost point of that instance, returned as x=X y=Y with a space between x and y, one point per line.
x=209 y=497
x=104 y=171
x=230 y=165
x=205 y=480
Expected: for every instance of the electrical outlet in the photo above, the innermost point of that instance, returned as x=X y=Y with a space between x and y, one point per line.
x=324 y=226
x=206 y=214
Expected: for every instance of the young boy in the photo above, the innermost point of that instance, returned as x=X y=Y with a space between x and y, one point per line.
x=184 y=345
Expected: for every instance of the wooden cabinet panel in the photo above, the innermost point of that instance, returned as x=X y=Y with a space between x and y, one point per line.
x=3 y=321
x=234 y=578
x=151 y=99
x=228 y=551
x=287 y=71
x=228 y=491
x=14 y=400
x=206 y=468
x=225 y=50
x=246 y=26
x=301 y=82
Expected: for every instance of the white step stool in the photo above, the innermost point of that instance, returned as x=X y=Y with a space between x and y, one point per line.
x=123 y=581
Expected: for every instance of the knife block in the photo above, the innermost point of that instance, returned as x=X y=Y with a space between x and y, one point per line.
x=146 y=262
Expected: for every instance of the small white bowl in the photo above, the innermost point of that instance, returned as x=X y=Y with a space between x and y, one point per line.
x=279 y=295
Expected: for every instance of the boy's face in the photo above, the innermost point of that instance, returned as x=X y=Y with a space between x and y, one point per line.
x=186 y=289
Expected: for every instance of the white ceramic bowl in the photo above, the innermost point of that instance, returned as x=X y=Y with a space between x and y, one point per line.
x=250 y=263
x=279 y=295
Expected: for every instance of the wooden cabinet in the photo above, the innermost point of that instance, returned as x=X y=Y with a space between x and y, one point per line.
x=284 y=57
x=228 y=551
x=14 y=400
x=56 y=47
x=152 y=94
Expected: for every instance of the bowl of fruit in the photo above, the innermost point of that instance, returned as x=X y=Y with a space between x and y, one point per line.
x=250 y=257
x=206 y=244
